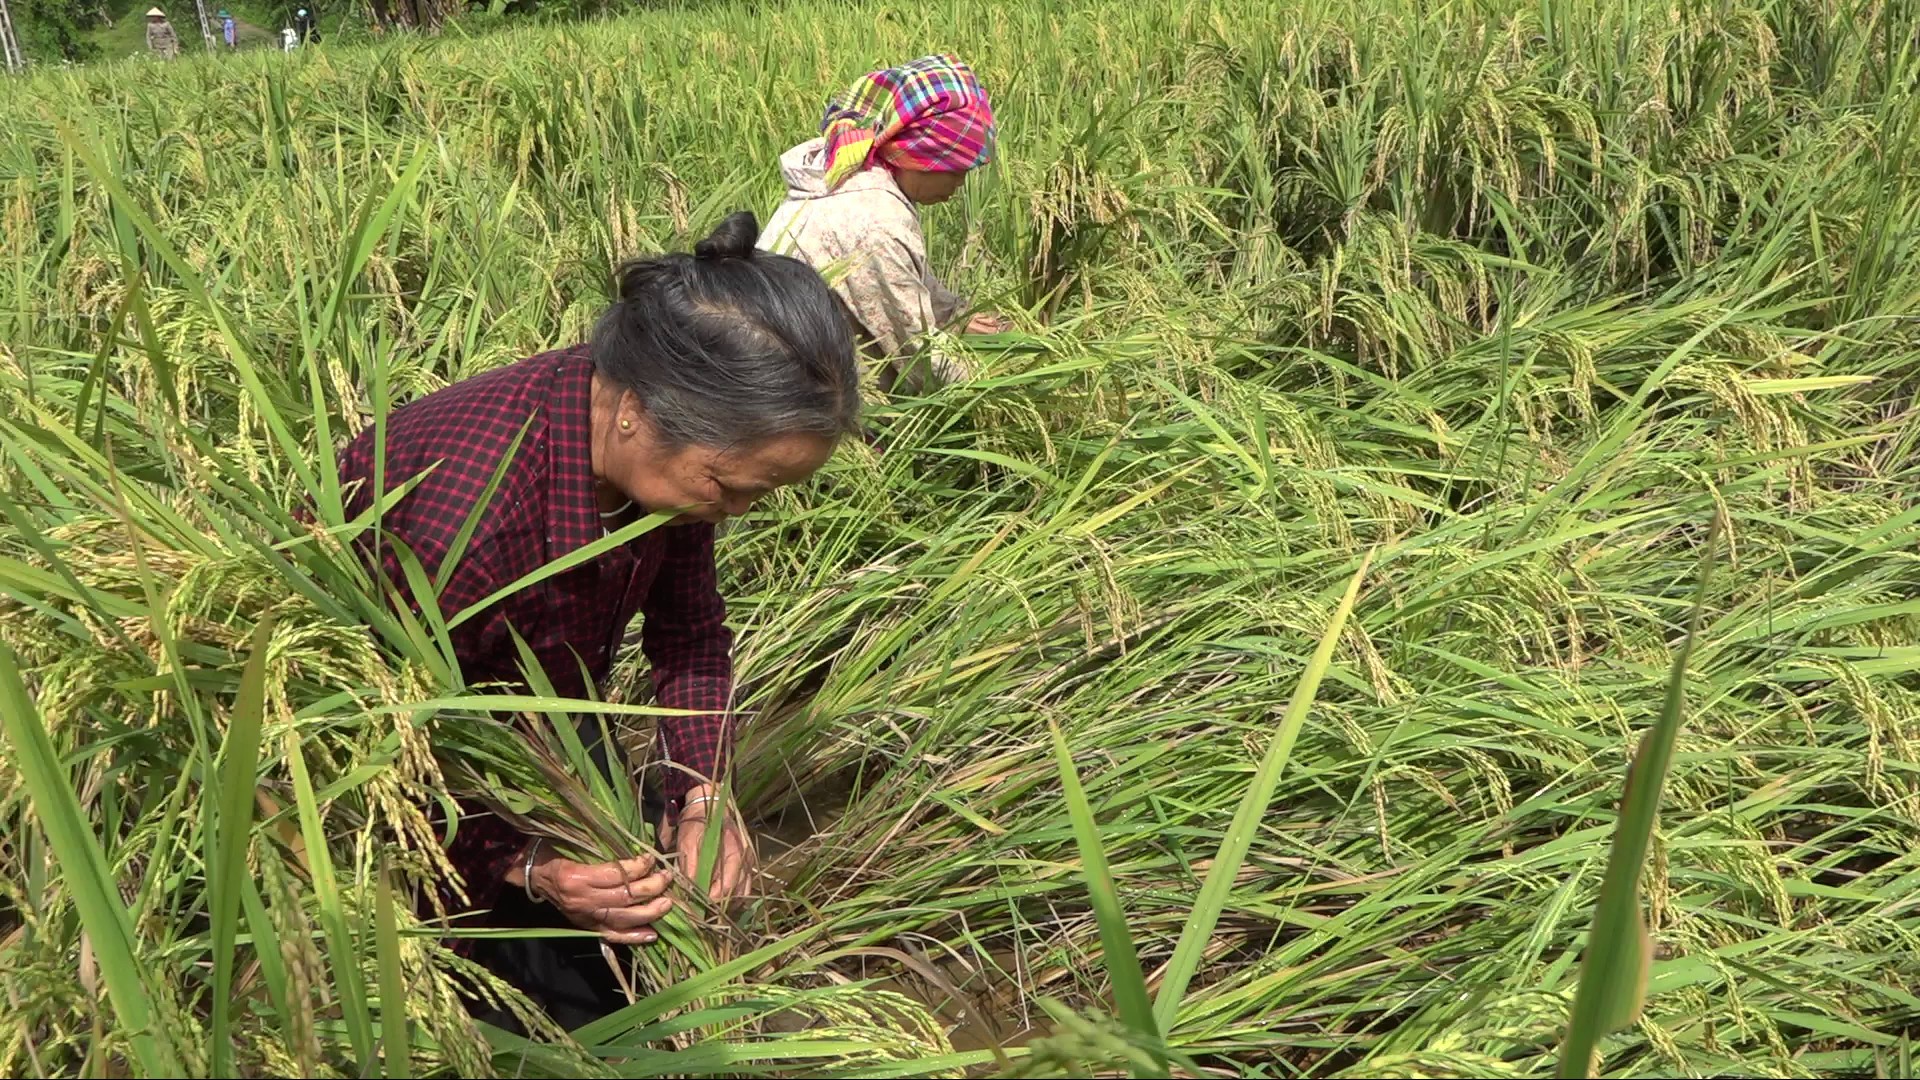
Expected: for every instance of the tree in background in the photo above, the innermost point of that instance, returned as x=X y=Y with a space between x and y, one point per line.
x=50 y=30
x=411 y=13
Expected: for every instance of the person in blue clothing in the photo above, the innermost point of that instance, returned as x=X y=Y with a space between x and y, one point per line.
x=228 y=28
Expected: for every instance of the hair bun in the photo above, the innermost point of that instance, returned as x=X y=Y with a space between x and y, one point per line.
x=733 y=238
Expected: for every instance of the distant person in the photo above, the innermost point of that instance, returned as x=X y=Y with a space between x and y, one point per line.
x=304 y=28
x=161 y=40
x=897 y=139
x=229 y=29
x=288 y=40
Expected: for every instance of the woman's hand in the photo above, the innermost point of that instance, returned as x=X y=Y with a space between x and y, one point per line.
x=988 y=322
x=733 y=865
x=622 y=900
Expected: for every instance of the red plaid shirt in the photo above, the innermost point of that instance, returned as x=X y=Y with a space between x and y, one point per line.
x=544 y=508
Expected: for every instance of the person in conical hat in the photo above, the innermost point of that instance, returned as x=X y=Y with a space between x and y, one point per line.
x=161 y=39
x=229 y=29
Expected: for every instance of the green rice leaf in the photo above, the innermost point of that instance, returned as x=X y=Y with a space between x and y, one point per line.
x=87 y=874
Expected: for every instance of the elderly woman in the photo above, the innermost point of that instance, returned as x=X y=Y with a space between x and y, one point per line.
x=715 y=378
x=894 y=141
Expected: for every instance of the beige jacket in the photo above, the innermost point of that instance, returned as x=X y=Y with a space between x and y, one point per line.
x=162 y=40
x=865 y=238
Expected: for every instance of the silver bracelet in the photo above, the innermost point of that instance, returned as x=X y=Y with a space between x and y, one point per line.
x=526 y=872
x=698 y=799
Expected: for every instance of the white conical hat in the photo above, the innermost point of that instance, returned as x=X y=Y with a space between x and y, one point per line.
x=151 y=12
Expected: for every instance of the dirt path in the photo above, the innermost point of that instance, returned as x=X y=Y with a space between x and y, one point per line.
x=248 y=36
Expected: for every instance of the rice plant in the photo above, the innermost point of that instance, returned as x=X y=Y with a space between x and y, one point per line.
x=1282 y=604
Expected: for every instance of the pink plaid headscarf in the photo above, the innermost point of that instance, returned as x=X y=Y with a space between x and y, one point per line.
x=930 y=115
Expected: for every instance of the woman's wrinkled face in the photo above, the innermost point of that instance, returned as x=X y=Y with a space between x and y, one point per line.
x=703 y=483
x=928 y=188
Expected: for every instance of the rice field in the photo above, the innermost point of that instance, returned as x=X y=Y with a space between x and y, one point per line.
x=1237 y=677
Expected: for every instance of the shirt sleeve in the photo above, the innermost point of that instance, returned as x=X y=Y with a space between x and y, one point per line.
x=486 y=633
x=484 y=847
x=947 y=304
x=885 y=285
x=685 y=637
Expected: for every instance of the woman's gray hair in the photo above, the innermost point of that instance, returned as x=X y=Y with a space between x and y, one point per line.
x=731 y=344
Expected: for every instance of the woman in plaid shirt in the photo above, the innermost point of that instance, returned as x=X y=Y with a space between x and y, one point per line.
x=714 y=379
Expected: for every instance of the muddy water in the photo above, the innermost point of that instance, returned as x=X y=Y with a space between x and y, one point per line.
x=981 y=1007
x=795 y=831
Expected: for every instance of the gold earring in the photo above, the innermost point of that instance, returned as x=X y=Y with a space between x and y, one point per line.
x=626 y=425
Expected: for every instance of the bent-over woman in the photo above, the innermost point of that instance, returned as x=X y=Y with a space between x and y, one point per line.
x=715 y=378
x=896 y=140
